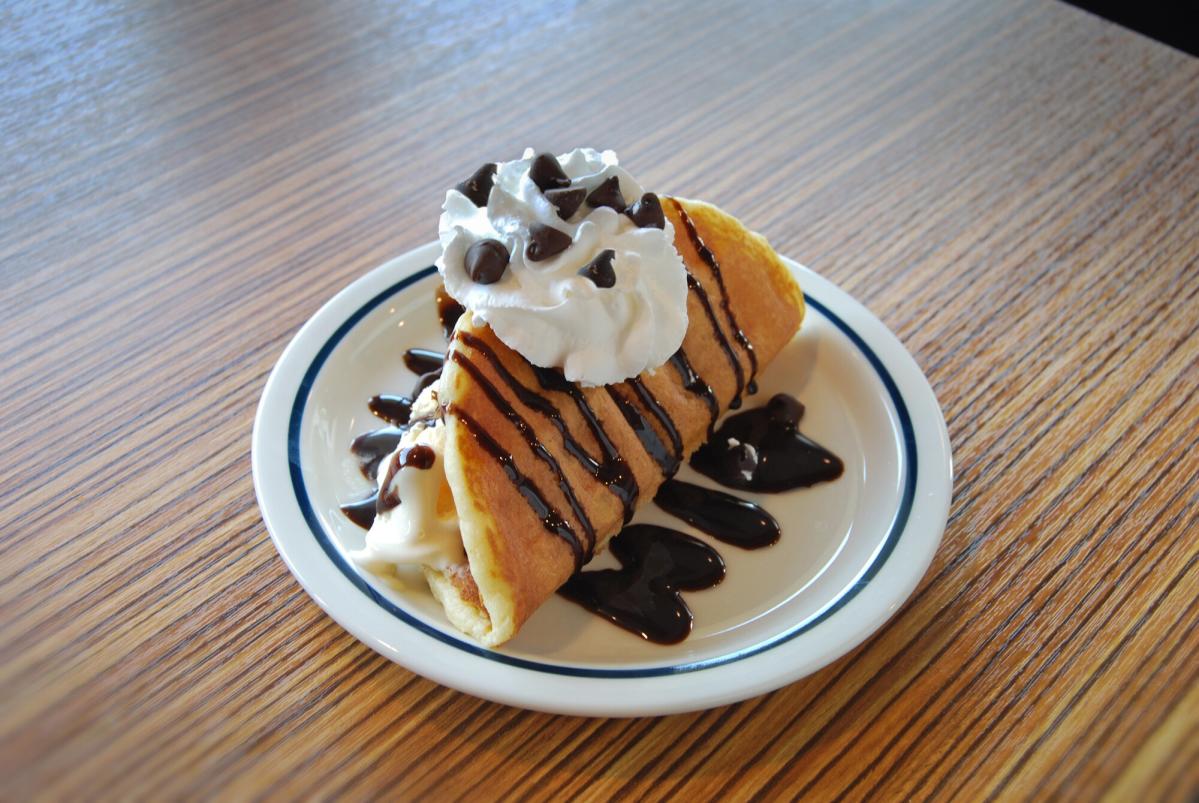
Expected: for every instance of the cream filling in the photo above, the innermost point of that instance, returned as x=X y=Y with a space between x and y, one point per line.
x=422 y=529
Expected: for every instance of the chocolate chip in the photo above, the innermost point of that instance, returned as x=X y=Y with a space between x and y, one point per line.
x=647 y=212
x=784 y=410
x=567 y=201
x=478 y=186
x=545 y=242
x=486 y=261
x=547 y=174
x=607 y=194
x=599 y=270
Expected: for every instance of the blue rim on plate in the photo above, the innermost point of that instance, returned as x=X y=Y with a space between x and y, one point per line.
x=898 y=523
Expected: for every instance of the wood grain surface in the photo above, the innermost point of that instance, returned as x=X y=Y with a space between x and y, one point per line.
x=1012 y=187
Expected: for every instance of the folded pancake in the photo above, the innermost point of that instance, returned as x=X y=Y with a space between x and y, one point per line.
x=542 y=471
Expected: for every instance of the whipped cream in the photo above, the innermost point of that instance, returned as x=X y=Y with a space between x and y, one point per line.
x=547 y=311
x=423 y=528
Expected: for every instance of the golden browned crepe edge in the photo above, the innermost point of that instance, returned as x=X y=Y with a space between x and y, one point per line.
x=491 y=599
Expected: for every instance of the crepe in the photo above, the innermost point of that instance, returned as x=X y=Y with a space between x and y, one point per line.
x=521 y=460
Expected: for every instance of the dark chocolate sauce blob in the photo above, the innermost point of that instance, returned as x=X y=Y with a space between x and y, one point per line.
x=419 y=456
x=723 y=516
x=427 y=363
x=744 y=382
x=643 y=595
x=763 y=450
x=371 y=447
x=424 y=380
x=395 y=410
x=423 y=361
x=362 y=512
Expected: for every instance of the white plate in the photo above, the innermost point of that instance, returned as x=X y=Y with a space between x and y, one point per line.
x=851 y=552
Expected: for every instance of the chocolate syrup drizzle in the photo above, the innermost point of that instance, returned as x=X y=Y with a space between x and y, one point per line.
x=694 y=383
x=663 y=418
x=612 y=471
x=536 y=446
x=725 y=345
x=708 y=257
x=388 y=498
x=427 y=364
x=362 y=512
x=418 y=456
x=645 y=432
x=550 y=517
x=370 y=448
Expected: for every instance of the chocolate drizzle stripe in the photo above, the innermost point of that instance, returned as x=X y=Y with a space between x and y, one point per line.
x=725 y=345
x=535 y=444
x=550 y=517
x=659 y=413
x=694 y=383
x=612 y=471
x=739 y=335
x=645 y=432
x=388 y=497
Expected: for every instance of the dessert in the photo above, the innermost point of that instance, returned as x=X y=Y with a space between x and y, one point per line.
x=601 y=332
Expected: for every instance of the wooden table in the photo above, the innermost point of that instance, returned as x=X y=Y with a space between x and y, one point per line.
x=1012 y=187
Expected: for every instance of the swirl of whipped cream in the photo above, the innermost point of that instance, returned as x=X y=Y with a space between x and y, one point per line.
x=545 y=310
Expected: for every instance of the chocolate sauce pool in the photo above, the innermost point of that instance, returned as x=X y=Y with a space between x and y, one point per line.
x=758 y=450
x=763 y=450
x=643 y=595
x=723 y=516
